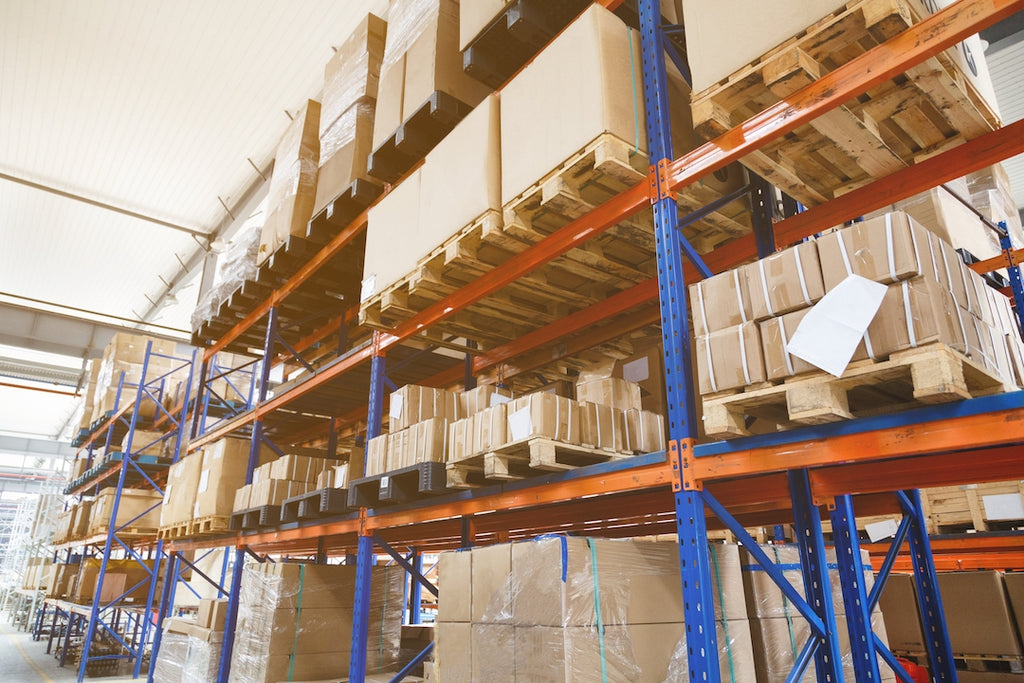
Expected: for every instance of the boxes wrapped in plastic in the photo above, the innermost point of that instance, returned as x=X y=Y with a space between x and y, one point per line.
x=295 y=621
x=170 y=660
x=236 y=265
x=185 y=658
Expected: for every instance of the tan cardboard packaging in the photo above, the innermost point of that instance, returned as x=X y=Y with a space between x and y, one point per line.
x=293 y=184
x=602 y=426
x=645 y=431
x=729 y=359
x=242 y=497
x=428 y=441
x=720 y=302
x=899 y=606
x=454 y=574
x=492 y=586
x=386 y=226
x=493 y=649
x=460 y=439
x=377 y=455
x=398 y=449
x=544 y=415
x=978 y=614
x=775 y=336
x=453 y=652
x=275 y=491
x=138 y=509
x=180 y=492
x=646 y=368
x=351 y=135
x=488 y=429
x=224 y=466
x=786 y=281
x=481 y=397
x=913 y=313
x=325 y=480
x=886 y=249
x=412 y=404
x=610 y=391
x=298 y=468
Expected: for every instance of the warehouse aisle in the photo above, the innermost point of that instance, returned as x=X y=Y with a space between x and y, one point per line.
x=22 y=659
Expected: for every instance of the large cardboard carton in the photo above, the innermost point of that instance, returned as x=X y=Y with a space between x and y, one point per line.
x=454 y=575
x=412 y=404
x=786 y=281
x=298 y=468
x=457 y=184
x=720 y=302
x=602 y=426
x=425 y=441
x=492 y=586
x=899 y=606
x=779 y=363
x=482 y=397
x=645 y=431
x=615 y=392
x=275 y=492
x=914 y=313
x=544 y=415
x=224 y=466
x=647 y=369
x=730 y=359
x=421 y=56
x=453 y=654
x=492 y=647
x=138 y=509
x=293 y=184
x=180 y=492
x=377 y=455
x=978 y=614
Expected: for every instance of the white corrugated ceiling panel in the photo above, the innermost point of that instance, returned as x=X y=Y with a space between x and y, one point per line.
x=34 y=413
x=157 y=105
x=1007 y=68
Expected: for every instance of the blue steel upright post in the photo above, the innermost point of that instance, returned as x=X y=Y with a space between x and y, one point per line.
x=699 y=613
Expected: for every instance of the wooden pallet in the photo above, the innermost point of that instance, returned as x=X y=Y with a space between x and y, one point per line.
x=926 y=375
x=930 y=108
x=959 y=508
x=523 y=459
x=173 y=531
x=209 y=526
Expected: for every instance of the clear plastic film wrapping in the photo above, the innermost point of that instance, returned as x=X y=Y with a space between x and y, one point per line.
x=295 y=621
x=297 y=157
x=170 y=662
x=579 y=609
x=407 y=19
x=342 y=130
x=235 y=265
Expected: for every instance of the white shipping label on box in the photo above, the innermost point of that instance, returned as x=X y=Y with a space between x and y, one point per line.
x=520 y=424
x=498 y=399
x=204 y=481
x=828 y=335
x=1003 y=506
x=395 y=407
x=368 y=288
x=636 y=371
x=878 y=530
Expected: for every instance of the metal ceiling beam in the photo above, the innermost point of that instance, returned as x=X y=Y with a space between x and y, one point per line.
x=38 y=448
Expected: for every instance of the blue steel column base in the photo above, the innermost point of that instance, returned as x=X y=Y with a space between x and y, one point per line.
x=361 y=610
x=231 y=618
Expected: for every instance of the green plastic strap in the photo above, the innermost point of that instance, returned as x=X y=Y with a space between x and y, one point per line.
x=298 y=616
x=785 y=606
x=597 y=609
x=725 y=622
x=632 y=77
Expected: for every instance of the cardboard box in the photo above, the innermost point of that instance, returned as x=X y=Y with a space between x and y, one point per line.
x=723 y=37
x=453 y=653
x=131 y=348
x=138 y=509
x=978 y=614
x=899 y=606
x=914 y=313
x=212 y=614
x=145 y=442
x=720 y=302
x=293 y=184
x=421 y=56
x=377 y=455
x=645 y=431
x=488 y=429
x=775 y=335
x=602 y=426
x=1014 y=583
x=325 y=480
x=610 y=391
x=786 y=281
x=424 y=441
x=647 y=369
x=454 y=574
x=481 y=397
x=275 y=491
x=412 y=404
x=492 y=586
x=544 y=415
x=242 y=497
x=297 y=468
x=493 y=648
x=224 y=466
x=886 y=249
x=180 y=492
x=730 y=359
x=386 y=228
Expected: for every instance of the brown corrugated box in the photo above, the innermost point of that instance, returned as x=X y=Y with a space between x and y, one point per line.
x=602 y=426
x=453 y=652
x=293 y=184
x=885 y=249
x=275 y=491
x=729 y=359
x=609 y=391
x=719 y=302
x=786 y=281
x=488 y=429
x=242 y=497
x=223 y=471
x=349 y=158
x=298 y=468
x=645 y=431
x=978 y=614
x=424 y=441
x=898 y=603
x=412 y=404
x=454 y=574
x=913 y=313
x=490 y=570
x=377 y=455
x=646 y=368
x=180 y=492
x=775 y=336
x=481 y=397
x=544 y=415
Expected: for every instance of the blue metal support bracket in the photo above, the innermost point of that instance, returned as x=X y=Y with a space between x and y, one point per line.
x=1016 y=284
x=375 y=412
x=416 y=599
x=399 y=559
x=361 y=610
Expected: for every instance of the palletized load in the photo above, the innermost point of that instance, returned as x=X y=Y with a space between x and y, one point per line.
x=125 y=356
x=742 y=64
x=560 y=608
x=782 y=319
x=138 y=512
x=190 y=648
x=295 y=621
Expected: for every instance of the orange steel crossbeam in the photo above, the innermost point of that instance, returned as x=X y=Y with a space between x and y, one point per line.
x=1004 y=260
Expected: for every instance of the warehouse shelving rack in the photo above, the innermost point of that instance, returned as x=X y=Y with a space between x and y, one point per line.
x=129 y=627
x=871 y=464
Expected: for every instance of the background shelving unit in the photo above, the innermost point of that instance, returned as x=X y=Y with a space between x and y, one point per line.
x=871 y=466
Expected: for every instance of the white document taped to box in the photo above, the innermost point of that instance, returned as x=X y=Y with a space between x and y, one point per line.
x=828 y=335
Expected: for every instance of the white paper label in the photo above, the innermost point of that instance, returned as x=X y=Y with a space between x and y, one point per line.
x=828 y=335
x=498 y=399
x=1003 y=506
x=204 y=480
x=368 y=288
x=637 y=370
x=520 y=424
x=395 y=407
x=384 y=481
x=879 y=530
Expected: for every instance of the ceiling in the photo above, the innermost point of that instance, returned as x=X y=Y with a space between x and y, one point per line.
x=134 y=133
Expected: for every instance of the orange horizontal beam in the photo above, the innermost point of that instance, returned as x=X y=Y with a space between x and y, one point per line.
x=996 y=262
x=1003 y=428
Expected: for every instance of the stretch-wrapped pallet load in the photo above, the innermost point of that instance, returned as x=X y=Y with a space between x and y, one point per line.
x=421 y=56
x=347 y=109
x=745 y=319
x=235 y=265
x=190 y=648
x=778 y=629
x=579 y=609
x=125 y=355
x=293 y=185
x=295 y=621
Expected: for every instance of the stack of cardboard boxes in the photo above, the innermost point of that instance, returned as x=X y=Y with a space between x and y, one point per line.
x=295 y=621
x=284 y=477
x=418 y=423
x=745 y=318
x=190 y=648
x=137 y=512
x=92 y=372
x=560 y=608
x=126 y=354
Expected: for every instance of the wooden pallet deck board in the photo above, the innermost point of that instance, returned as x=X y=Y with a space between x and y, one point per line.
x=926 y=375
x=523 y=459
x=208 y=526
x=915 y=115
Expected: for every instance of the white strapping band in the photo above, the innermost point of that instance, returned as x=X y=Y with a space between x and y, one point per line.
x=764 y=289
x=700 y=304
x=842 y=252
x=785 y=347
x=743 y=355
x=868 y=347
x=909 y=315
x=889 y=247
x=800 y=272
x=739 y=295
x=711 y=365
x=913 y=242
